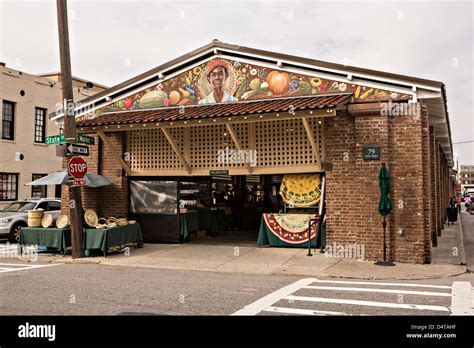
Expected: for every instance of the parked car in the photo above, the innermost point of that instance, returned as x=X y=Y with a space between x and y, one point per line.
x=15 y=215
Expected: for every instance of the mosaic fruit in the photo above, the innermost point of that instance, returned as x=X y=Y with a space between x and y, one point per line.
x=174 y=97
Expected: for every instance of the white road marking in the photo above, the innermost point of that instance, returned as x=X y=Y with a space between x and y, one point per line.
x=366 y=303
x=406 y=292
x=16 y=267
x=462 y=301
x=385 y=284
x=266 y=303
x=301 y=311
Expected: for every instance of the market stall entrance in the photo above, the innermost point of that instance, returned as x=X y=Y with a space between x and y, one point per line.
x=234 y=209
x=265 y=137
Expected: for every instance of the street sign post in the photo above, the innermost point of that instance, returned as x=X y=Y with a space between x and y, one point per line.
x=77 y=167
x=74 y=149
x=55 y=139
x=80 y=182
x=83 y=139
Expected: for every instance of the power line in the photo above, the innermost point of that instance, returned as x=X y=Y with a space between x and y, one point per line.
x=464 y=142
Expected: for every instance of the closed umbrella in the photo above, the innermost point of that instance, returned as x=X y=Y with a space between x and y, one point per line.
x=385 y=207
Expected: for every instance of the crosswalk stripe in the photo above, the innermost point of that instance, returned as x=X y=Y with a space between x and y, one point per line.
x=366 y=303
x=301 y=311
x=385 y=284
x=267 y=301
x=407 y=292
x=24 y=267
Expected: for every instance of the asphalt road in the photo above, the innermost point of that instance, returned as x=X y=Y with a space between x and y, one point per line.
x=79 y=289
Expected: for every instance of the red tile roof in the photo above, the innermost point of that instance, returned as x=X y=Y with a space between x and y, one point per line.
x=219 y=110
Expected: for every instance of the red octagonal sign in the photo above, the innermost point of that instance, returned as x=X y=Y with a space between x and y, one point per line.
x=77 y=167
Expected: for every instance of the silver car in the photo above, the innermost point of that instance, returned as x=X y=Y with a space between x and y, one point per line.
x=15 y=215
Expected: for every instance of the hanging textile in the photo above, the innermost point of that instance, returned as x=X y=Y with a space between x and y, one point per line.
x=301 y=190
x=290 y=228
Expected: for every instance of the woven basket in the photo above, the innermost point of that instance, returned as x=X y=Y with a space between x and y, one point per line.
x=47 y=220
x=122 y=222
x=90 y=217
x=111 y=222
x=62 y=221
x=101 y=223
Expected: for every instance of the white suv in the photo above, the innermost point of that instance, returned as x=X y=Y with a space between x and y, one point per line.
x=15 y=215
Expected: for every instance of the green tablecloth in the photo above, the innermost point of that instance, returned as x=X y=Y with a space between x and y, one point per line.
x=209 y=221
x=58 y=238
x=266 y=237
x=104 y=238
x=188 y=222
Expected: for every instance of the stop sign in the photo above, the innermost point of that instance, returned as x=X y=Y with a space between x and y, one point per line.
x=77 y=167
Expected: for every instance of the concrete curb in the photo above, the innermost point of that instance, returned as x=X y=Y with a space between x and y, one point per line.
x=461 y=237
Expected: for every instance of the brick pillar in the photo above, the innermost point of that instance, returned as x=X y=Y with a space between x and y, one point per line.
x=434 y=190
x=113 y=200
x=439 y=185
x=341 y=196
x=407 y=164
x=427 y=194
x=372 y=130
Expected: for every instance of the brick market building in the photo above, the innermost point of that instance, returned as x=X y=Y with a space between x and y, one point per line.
x=301 y=116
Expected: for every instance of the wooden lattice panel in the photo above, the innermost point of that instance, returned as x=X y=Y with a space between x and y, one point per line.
x=150 y=150
x=285 y=143
x=205 y=142
x=277 y=146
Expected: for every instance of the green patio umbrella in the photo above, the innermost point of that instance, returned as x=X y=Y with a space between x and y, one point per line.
x=385 y=207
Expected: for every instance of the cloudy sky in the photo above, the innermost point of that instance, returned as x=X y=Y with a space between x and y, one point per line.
x=112 y=41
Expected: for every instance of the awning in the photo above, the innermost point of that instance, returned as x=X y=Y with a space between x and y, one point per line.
x=172 y=114
x=59 y=178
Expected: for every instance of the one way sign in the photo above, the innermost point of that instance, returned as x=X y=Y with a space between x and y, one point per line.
x=74 y=149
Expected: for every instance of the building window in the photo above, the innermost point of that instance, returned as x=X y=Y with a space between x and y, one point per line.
x=40 y=125
x=38 y=191
x=8 y=187
x=8 y=120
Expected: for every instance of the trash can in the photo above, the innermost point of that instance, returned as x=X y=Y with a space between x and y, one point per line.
x=452 y=214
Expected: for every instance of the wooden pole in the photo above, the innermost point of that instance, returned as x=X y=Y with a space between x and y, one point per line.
x=75 y=202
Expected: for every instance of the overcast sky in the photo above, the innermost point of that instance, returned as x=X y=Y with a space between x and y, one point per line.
x=112 y=41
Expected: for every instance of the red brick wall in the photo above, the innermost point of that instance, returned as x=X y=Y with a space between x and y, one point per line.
x=113 y=200
x=352 y=186
x=427 y=198
x=434 y=190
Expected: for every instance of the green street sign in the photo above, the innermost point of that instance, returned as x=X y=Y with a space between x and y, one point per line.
x=83 y=139
x=56 y=139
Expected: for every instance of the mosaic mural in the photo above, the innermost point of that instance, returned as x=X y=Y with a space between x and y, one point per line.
x=219 y=81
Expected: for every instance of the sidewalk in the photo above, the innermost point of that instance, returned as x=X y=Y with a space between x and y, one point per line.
x=450 y=249
x=468 y=237
x=248 y=259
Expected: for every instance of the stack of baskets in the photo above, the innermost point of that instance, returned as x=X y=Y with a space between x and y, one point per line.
x=93 y=221
x=37 y=218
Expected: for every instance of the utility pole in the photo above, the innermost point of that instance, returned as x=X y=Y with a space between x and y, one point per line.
x=75 y=202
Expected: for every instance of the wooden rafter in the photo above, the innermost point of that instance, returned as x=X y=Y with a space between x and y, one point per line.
x=237 y=144
x=114 y=152
x=309 y=133
x=175 y=148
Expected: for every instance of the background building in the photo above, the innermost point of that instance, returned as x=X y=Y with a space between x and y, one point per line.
x=26 y=102
x=467 y=177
